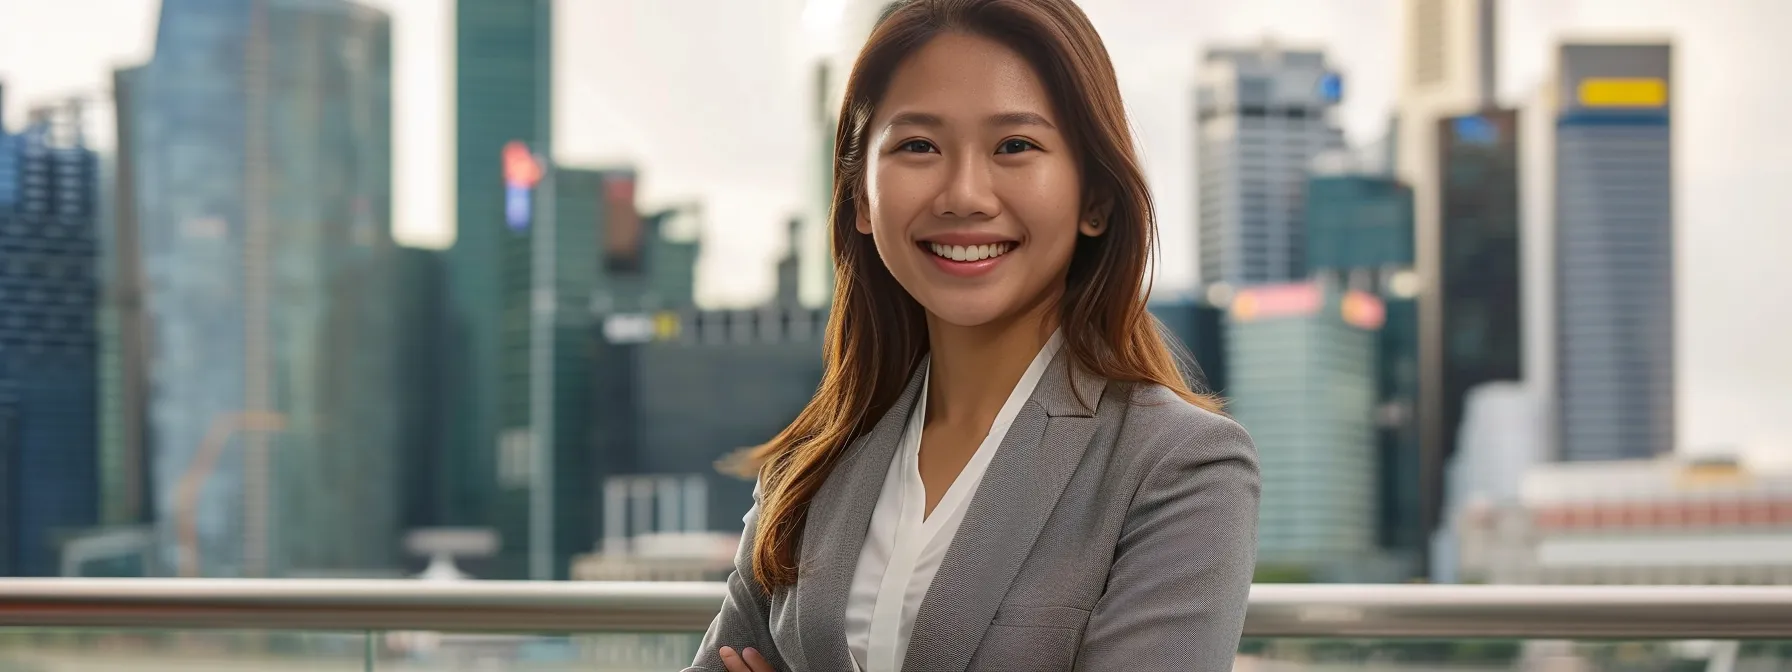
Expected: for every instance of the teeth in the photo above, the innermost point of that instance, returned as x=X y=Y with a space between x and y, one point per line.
x=971 y=252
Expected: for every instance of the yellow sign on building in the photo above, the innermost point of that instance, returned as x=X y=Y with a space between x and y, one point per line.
x=1623 y=92
x=666 y=326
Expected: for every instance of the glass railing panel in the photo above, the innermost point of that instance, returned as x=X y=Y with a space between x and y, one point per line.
x=1288 y=654
x=139 y=650
x=593 y=652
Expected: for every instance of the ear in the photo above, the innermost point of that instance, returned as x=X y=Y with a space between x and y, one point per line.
x=861 y=221
x=1095 y=216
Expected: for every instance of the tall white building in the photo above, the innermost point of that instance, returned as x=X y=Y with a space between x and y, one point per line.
x=1262 y=114
x=1504 y=431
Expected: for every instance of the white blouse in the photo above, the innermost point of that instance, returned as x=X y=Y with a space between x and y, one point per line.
x=902 y=551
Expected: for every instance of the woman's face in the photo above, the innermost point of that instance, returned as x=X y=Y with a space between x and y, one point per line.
x=972 y=189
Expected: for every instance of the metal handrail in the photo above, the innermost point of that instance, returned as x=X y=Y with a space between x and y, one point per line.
x=1279 y=610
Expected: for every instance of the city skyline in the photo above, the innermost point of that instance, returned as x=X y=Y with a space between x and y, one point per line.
x=752 y=164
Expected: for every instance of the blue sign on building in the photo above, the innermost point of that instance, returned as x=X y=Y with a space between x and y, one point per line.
x=1331 y=87
x=1476 y=130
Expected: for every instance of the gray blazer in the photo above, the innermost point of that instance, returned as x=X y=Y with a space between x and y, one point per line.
x=1118 y=538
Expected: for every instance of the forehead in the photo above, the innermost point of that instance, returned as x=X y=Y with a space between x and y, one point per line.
x=959 y=77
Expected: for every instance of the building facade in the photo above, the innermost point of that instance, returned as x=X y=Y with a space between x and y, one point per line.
x=259 y=139
x=49 y=397
x=1471 y=326
x=1451 y=57
x=1614 y=251
x=1360 y=236
x=126 y=456
x=686 y=390
x=1658 y=521
x=423 y=368
x=1262 y=115
x=1302 y=361
x=502 y=79
x=1358 y=222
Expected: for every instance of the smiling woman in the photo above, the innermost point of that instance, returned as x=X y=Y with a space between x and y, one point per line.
x=1002 y=467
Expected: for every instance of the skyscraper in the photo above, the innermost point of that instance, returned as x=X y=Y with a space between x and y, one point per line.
x=1478 y=335
x=1451 y=57
x=1614 y=259
x=1303 y=381
x=421 y=356
x=1360 y=234
x=125 y=452
x=49 y=405
x=1263 y=114
x=502 y=78
x=815 y=279
x=607 y=257
x=260 y=142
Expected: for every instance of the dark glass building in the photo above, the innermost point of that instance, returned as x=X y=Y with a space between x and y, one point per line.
x=502 y=75
x=1197 y=331
x=419 y=352
x=1469 y=319
x=49 y=397
x=685 y=390
x=1358 y=222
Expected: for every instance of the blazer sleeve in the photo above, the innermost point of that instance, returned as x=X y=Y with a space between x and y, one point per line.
x=744 y=620
x=1181 y=575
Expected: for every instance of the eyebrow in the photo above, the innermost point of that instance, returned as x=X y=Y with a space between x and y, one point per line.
x=925 y=119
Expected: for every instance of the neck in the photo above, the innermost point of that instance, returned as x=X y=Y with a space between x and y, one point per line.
x=974 y=369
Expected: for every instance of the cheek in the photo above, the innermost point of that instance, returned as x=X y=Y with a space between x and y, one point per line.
x=893 y=199
x=1049 y=201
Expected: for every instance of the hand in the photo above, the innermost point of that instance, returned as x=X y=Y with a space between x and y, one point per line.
x=745 y=661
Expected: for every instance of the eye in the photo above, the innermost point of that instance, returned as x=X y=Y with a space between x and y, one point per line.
x=916 y=146
x=1015 y=146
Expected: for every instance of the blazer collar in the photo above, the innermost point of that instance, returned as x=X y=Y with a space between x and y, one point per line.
x=834 y=531
x=1013 y=502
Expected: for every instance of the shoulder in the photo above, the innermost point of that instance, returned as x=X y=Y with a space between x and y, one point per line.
x=1162 y=427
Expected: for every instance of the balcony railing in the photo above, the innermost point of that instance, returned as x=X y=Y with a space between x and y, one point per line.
x=1306 y=611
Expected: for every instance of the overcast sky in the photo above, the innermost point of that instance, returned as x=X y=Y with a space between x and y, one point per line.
x=709 y=98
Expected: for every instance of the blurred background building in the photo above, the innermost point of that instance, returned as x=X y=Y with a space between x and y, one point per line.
x=49 y=397
x=1614 y=223
x=1262 y=114
x=1302 y=368
x=259 y=156
x=1662 y=521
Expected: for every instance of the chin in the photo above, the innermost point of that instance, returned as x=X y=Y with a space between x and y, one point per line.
x=959 y=310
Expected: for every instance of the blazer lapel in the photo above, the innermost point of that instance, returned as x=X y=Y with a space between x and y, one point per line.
x=1015 y=498
x=834 y=532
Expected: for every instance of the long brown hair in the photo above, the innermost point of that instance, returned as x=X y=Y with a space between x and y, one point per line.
x=877 y=333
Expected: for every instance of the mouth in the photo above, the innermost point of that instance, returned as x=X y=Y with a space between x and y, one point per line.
x=967 y=260
x=968 y=253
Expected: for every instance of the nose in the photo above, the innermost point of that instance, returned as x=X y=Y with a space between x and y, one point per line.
x=969 y=190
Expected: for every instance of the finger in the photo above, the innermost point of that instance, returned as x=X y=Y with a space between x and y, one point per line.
x=757 y=662
x=733 y=661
